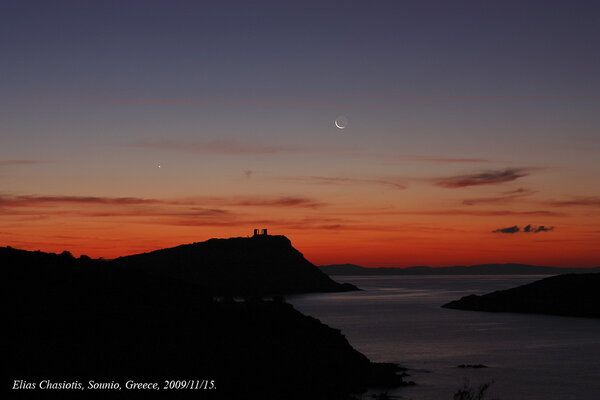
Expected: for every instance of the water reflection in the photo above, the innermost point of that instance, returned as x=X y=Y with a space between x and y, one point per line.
x=399 y=319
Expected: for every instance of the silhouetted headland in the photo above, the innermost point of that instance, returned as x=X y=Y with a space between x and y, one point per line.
x=576 y=295
x=79 y=319
x=257 y=265
x=481 y=269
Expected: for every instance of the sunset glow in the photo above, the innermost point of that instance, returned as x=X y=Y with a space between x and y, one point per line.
x=124 y=132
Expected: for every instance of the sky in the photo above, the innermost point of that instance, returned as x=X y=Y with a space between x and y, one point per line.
x=473 y=129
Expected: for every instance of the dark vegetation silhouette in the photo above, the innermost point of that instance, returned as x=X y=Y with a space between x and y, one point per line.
x=576 y=295
x=470 y=392
x=78 y=319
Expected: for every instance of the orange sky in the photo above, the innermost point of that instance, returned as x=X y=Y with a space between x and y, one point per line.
x=128 y=128
x=440 y=221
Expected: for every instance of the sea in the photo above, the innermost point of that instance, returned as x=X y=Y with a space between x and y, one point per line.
x=399 y=319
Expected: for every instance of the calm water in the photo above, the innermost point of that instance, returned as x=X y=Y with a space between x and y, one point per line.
x=399 y=319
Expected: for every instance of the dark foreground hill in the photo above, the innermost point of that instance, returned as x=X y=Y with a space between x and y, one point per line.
x=68 y=319
x=569 y=295
x=261 y=264
x=481 y=269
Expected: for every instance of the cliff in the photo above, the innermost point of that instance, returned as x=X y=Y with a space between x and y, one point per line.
x=80 y=319
x=574 y=295
x=238 y=266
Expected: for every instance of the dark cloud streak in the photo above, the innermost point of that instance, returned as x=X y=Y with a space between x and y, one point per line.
x=282 y=201
x=26 y=201
x=575 y=202
x=7 y=163
x=341 y=181
x=449 y=159
x=482 y=178
x=510 y=229
x=505 y=197
x=526 y=229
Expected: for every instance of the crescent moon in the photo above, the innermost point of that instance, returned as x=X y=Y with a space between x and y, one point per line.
x=338 y=126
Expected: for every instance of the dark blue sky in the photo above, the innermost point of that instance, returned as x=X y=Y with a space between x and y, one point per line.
x=261 y=48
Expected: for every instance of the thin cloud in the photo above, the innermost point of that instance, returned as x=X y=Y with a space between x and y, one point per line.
x=492 y=213
x=233 y=147
x=7 y=163
x=463 y=212
x=575 y=202
x=482 y=178
x=205 y=223
x=191 y=214
x=506 y=197
x=276 y=202
x=29 y=200
x=500 y=213
x=521 y=191
x=282 y=201
x=223 y=147
x=119 y=212
x=449 y=159
x=323 y=180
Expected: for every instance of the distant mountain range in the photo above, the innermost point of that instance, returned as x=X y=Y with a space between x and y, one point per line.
x=574 y=295
x=481 y=269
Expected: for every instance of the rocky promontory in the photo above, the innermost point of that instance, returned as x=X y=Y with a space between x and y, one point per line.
x=80 y=319
x=257 y=265
x=575 y=295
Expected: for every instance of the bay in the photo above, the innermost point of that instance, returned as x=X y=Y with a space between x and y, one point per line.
x=399 y=319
